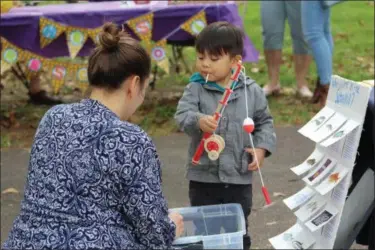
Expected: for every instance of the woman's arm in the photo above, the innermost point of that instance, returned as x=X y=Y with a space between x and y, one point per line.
x=144 y=204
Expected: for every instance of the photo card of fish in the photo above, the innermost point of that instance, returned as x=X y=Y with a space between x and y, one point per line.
x=328 y=128
x=295 y=237
x=299 y=198
x=323 y=168
x=348 y=127
x=309 y=164
x=325 y=216
x=317 y=121
x=332 y=180
x=311 y=208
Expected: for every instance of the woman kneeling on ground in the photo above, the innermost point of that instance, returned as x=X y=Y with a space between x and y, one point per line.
x=94 y=180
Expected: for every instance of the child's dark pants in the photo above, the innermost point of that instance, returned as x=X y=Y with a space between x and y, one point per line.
x=202 y=194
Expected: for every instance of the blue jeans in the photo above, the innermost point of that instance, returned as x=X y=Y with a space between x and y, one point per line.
x=273 y=16
x=317 y=32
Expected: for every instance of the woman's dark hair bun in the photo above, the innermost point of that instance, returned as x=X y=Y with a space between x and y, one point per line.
x=110 y=35
x=117 y=57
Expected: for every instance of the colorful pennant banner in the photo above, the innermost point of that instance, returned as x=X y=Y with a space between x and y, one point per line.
x=93 y=34
x=49 y=30
x=195 y=24
x=34 y=65
x=76 y=38
x=58 y=73
x=11 y=54
x=142 y=26
x=159 y=55
x=81 y=77
x=6 y=6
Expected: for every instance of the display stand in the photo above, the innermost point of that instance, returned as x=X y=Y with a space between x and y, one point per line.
x=318 y=207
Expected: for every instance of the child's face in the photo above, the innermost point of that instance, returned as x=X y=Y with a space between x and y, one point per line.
x=218 y=68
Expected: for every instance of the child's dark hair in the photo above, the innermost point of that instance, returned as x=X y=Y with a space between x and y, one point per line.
x=220 y=38
x=117 y=57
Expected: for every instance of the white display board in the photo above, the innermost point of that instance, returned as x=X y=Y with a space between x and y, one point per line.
x=327 y=171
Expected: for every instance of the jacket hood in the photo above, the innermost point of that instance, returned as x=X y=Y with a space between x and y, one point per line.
x=198 y=78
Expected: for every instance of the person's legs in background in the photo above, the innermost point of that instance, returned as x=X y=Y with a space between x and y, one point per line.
x=273 y=16
x=301 y=56
x=315 y=26
x=327 y=31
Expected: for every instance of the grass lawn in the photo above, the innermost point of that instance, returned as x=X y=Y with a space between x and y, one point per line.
x=352 y=25
x=353 y=32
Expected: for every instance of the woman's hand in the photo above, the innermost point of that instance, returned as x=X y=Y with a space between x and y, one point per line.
x=207 y=124
x=179 y=222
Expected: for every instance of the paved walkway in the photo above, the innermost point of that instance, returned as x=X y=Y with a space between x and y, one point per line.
x=264 y=223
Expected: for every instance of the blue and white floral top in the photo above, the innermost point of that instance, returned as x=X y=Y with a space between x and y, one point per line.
x=94 y=182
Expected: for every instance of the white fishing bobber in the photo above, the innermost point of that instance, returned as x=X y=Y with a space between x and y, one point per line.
x=248 y=125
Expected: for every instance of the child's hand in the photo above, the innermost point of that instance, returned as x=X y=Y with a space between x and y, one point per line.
x=260 y=154
x=207 y=124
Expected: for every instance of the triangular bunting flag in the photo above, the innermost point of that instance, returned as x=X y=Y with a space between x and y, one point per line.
x=82 y=78
x=164 y=65
x=142 y=26
x=49 y=31
x=76 y=38
x=195 y=24
x=2 y=41
x=34 y=64
x=148 y=46
x=58 y=73
x=9 y=53
x=6 y=6
x=4 y=66
x=159 y=55
x=93 y=34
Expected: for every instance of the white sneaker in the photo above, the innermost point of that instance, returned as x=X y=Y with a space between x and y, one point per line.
x=268 y=90
x=304 y=92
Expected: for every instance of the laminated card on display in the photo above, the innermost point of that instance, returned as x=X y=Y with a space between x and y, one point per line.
x=348 y=127
x=332 y=180
x=311 y=208
x=328 y=128
x=309 y=164
x=317 y=121
x=299 y=198
x=318 y=206
x=328 y=213
x=320 y=171
x=295 y=237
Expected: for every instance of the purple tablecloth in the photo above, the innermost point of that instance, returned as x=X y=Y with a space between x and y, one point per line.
x=21 y=25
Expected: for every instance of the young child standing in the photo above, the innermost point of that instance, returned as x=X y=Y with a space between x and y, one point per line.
x=228 y=179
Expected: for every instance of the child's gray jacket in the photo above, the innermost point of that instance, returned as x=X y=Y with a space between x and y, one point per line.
x=200 y=98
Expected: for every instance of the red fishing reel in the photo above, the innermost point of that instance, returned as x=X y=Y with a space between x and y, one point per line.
x=213 y=146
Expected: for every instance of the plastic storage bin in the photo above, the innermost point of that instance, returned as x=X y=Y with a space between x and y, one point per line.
x=213 y=227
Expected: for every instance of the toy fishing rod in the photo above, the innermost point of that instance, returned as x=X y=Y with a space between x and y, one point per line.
x=214 y=144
